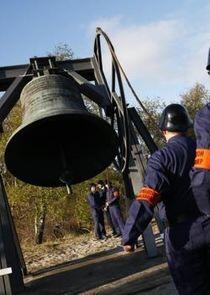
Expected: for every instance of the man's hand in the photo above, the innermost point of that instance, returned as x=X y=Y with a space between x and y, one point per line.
x=106 y=206
x=128 y=248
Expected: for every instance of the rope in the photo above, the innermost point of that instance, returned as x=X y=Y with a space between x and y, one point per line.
x=100 y=31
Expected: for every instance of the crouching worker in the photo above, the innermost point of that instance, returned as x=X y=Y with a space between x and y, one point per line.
x=96 y=206
x=167 y=179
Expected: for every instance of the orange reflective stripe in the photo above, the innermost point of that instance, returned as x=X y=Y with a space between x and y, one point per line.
x=202 y=159
x=148 y=194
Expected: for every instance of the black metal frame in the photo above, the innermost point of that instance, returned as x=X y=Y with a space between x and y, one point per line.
x=123 y=119
x=10 y=251
x=12 y=81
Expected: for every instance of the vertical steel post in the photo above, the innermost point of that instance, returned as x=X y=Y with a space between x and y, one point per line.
x=11 y=283
x=135 y=175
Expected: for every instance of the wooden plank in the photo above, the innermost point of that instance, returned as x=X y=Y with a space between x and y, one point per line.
x=5 y=271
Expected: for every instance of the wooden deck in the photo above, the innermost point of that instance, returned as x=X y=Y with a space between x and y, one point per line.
x=108 y=272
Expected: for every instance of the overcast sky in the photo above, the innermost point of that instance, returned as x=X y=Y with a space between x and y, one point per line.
x=162 y=44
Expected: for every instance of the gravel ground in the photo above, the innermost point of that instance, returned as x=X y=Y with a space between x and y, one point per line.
x=63 y=250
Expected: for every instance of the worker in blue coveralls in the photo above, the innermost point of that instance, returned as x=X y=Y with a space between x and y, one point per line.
x=96 y=206
x=200 y=185
x=113 y=205
x=167 y=179
x=102 y=191
x=200 y=175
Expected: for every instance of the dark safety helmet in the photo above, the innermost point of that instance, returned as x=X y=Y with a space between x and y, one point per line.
x=175 y=118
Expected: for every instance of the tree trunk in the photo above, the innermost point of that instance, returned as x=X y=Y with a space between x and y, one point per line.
x=40 y=224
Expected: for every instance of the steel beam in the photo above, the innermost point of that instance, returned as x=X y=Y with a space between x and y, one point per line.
x=136 y=176
x=96 y=93
x=84 y=67
x=9 y=283
x=11 y=96
x=142 y=130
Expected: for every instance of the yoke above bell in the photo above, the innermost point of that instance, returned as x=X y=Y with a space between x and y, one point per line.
x=58 y=137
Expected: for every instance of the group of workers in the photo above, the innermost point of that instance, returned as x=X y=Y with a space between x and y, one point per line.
x=104 y=199
x=178 y=176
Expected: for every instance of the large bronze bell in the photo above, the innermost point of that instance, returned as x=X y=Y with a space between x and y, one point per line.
x=59 y=141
